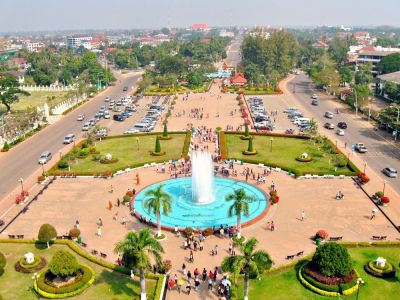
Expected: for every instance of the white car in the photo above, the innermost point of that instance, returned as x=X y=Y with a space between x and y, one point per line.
x=130 y=131
x=106 y=115
x=107 y=99
x=314 y=96
x=340 y=132
x=86 y=126
x=80 y=117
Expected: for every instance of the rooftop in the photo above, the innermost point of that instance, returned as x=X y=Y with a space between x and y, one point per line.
x=393 y=77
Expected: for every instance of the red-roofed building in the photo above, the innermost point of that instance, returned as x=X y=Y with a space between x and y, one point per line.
x=200 y=27
x=320 y=45
x=238 y=79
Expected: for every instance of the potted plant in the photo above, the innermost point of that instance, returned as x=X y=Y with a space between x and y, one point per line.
x=74 y=233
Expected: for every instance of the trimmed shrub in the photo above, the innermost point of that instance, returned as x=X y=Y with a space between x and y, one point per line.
x=320 y=285
x=188 y=231
x=379 y=194
x=3 y=261
x=222 y=145
x=46 y=233
x=313 y=288
x=6 y=147
x=363 y=177
x=74 y=233
x=126 y=198
x=385 y=199
x=63 y=264
x=157 y=148
x=332 y=259
x=321 y=234
x=63 y=164
x=208 y=232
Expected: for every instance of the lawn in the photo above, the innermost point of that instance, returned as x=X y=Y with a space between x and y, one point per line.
x=284 y=153
x=282 y=285
x=108 y=284
x=39 y=98
x=130 y=152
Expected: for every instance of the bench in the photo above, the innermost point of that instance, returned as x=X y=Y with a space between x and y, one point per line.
x=59 y=237
x=11 y=236
x=20 y=236
x=337 y=238
x=383 y=237
x=67 y=237
x=103 y=255
x=300 y=253
x=94 y=252
x=379 y=237
x=290 y=256
x=84 y=245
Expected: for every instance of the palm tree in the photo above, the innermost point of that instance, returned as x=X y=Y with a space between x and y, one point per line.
x=255 y=262
x=156 y=200
x=240 y=206
x=137 y=248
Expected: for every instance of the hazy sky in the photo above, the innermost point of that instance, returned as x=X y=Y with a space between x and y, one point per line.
x=26 y=15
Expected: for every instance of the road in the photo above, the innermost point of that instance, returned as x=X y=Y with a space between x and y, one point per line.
x=22 y=160
x=234 y=54
x=381 y=151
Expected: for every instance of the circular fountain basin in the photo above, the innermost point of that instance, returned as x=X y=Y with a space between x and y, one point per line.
x=187 y=213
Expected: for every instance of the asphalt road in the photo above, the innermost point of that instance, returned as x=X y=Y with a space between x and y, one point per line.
x=382 y=152
x=234 y=54
x=22 y=161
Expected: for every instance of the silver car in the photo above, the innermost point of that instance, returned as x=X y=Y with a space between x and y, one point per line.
x=390 y=172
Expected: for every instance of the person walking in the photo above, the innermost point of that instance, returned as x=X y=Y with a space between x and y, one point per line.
x=302 y=216
x=77 y=224
x=191 y=258
x=373 y=213
x=272 y=226
x=210 y=283
x=201 y=245
x=184 y=269
x=196 y=283
x=204 y=274
x=216 y=249
x=118 y=202
x=188 y=288
x=100 y=223
x=99 y=231
x=189 y=275
x=123 y=222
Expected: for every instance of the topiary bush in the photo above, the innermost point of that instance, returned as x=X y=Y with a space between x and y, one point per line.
x=63 y=164
x=208 y=232
x=387 y=272
x=6 y=147
x=332 y=259
x=74 y=233
x=3 y=262
x=63 y=264
x=321 y=234
x=46 y=233
x=188 y=231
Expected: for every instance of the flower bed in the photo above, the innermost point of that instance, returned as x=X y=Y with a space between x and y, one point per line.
x=108 y=161
x=322 y=234
x=302 y=159
x=387 y=272
x=39 y=263
x=245 y=152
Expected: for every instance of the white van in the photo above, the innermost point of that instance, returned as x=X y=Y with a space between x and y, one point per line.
x=68 y=139
x=141 y=127
x=299 y=121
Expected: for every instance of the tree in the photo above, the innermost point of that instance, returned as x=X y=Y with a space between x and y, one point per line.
x=240 y=204
x=250 y=261
x=252 y=72
x=63 y=264
x=312 y=127
x=386 y=42
x=346 y=74
x=195 y=79
x=246 y=130
x=329 y=78
x=157 y=148
x=9 y=90
x=364 y=74
x=159 y=202
x=250 y=145
x=46 y=233
x=165 y=130
x=363 y=94
x=389 y=64
x=332 y=259
x=392 y=90
x=338 y=49
x=137 y=248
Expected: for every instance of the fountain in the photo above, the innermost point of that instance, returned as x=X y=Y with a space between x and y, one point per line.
x=202 y=178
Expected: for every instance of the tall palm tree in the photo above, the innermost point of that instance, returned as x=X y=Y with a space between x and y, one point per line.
x=249 y=261
x=158 y=202
x=137 y=248
x=240 y=206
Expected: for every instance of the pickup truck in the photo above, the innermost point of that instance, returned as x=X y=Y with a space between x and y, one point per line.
x=360 y=147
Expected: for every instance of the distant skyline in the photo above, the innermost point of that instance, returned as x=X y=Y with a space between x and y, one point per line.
x=47 y=15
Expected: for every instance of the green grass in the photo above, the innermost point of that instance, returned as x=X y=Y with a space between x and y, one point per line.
x=283 y=154
x=108 y=284
x=126 y=150
x=286 y=285
x=39 y=98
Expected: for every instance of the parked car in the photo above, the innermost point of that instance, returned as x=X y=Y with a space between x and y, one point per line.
x=119 y=117
x=106 y=115
x=390 y=172
x=342 y=125
x=314 y=102
x=107 y=99
x=328 y=115
x=86 y=126
x=80 y=117
x=360 y=147
x=69 y=138
x=125 y=88
x=340 y=132
x=44 y=157
x=329 y=126
x=314 y=96
x=131 y=130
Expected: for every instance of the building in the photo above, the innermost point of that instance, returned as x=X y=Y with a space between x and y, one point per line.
x=33 y=46
x=238 y=79
x=78 y=41
x=320 y=45
x=373 y=56
x=364 y=38
x=5 y=44
x=200 y=27
x=225 y=33
x=383 y=79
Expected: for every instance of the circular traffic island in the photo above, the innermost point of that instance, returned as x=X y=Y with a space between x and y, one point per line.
x=330 y=272
x=380 y=268
x=64 y=278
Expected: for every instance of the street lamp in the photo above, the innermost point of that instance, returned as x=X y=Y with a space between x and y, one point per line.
x=360 y=283
x=271 y=139
x=21 y=181
x=43 y=169
x=356 y=104
x=137 y=141
x=60 y=155
x=384 y=186
x=365 y=166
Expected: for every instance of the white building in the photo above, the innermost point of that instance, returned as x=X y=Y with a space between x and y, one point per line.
x=33 y=46
x=85 y=41
x=225 y=33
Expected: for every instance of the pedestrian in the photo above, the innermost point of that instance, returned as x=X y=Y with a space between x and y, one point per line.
x=179 y=288
x=189 y=275
x=201 y=245
x=195 y=245
x=123 y=222
x=188 y=288
x=196 y=283
x=211 y=274
x=273 y=186
x=115 y=216
x=272 y=226
x=216 y=249
x=204 y=274
x=230 y=248
x=191 y=258
x=209 y=283
x=118 y=202
x=215 y=275
x=100 y=223
x=373 y=214
x=99 y=231
x=268 y=225
x=185 y=244
x=184 y=269
x=176 y=279
x=111 y=189
x=77 y=224
x=196 y=272
x=303 y=215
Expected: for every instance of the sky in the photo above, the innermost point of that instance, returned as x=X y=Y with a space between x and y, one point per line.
x=35 y=15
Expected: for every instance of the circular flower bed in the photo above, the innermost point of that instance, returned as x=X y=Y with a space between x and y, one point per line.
x=386 y=272
x=39 y=263
x=105 y=161
x=157 y=153
x=304 y=159
x=46 y=285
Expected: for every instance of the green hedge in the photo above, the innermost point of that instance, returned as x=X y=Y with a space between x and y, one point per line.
x=35 y=263
x=3 y=261
x=71 y=290
x=320 y=285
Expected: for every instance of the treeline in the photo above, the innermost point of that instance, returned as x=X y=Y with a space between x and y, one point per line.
x=66 y=67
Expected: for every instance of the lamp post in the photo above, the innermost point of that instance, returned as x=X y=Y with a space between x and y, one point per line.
x=360 y=283
x=271 y=139
x=21 y=181
x=356 y=103
x=60 y=155
x=137 y=141
x=42 y=169
x=384 y=186
x=365 y=167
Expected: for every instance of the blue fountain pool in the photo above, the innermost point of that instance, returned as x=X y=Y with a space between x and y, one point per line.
x=186 y=213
